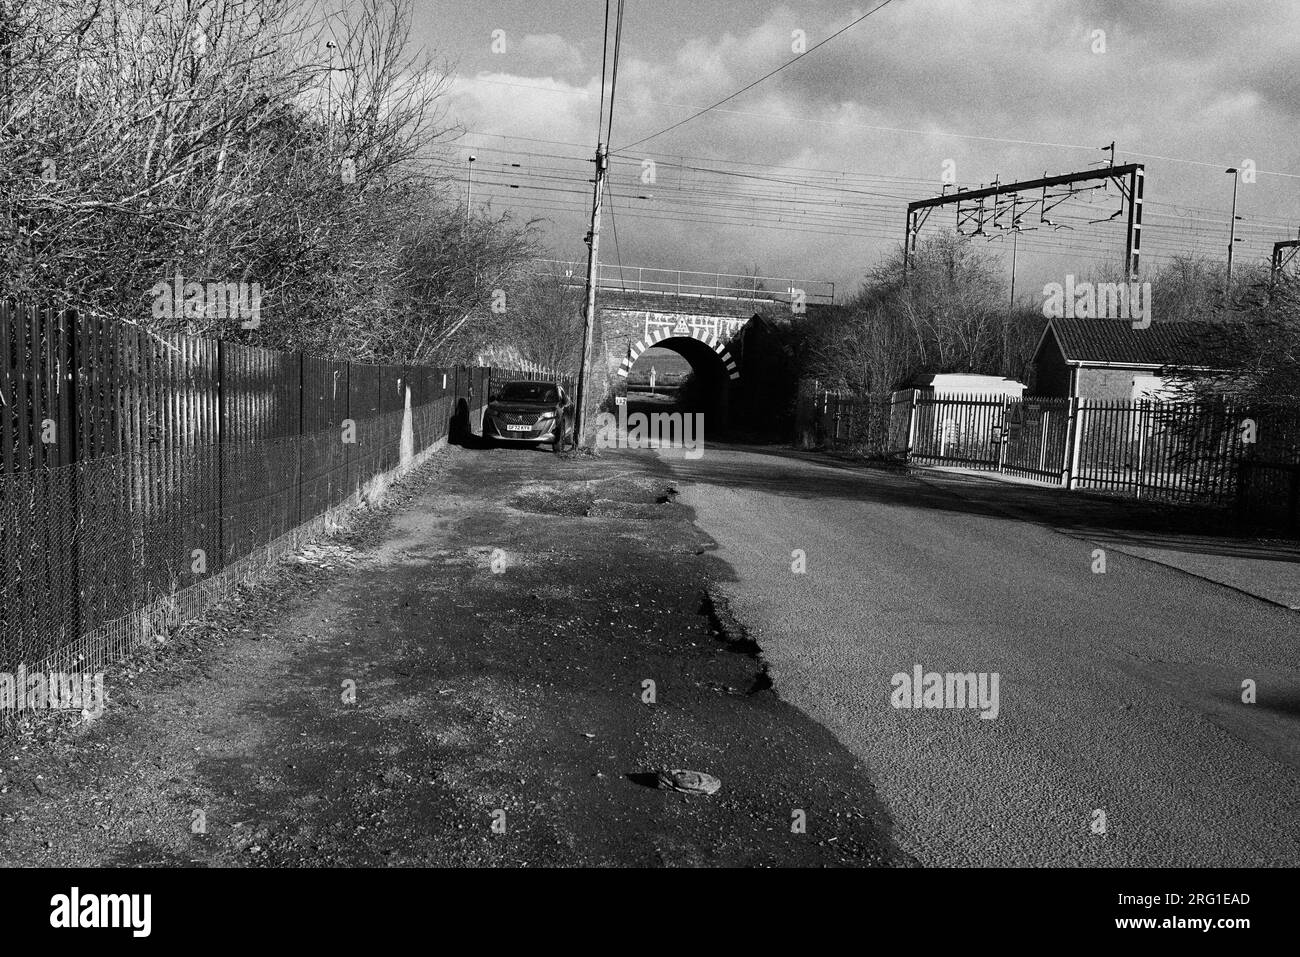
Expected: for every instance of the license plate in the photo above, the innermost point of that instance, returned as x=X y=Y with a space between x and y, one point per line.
x=519 y=428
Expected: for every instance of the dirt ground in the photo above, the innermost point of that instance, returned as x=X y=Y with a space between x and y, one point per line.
x=499 y=619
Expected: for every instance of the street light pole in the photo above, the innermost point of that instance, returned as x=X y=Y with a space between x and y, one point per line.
x=329 y=95
x=469 y=186
x=589 y=309
x=1015 y=241
x=1232 y=228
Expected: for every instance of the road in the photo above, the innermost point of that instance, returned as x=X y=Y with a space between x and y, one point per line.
x=1119 y=692
x=488 y=672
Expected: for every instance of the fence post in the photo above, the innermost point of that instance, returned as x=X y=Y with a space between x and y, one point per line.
x=1293 y=499
x=347 y=414
x=1238 y=471
x=1071 y=463
x=1044 y=425
x=74 y=424
x=1002 y=434
x=301 y=403
x=1241 y=475
x=911 y=426
x=221 y=450
x=1139 y=413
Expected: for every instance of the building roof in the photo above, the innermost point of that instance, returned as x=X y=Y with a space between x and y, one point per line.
x=962 y=382
x=1099 y=341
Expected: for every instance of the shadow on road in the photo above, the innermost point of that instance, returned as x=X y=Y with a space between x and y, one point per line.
x=1194 y=530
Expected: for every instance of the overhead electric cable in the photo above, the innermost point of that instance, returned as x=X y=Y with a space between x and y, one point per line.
x=750 y=86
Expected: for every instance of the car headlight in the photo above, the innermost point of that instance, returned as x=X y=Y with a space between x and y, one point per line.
x=545 y=416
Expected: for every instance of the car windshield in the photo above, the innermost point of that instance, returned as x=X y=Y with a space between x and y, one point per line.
x=528 y=392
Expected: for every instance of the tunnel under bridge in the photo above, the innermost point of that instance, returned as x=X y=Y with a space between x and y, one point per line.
x=723 y=326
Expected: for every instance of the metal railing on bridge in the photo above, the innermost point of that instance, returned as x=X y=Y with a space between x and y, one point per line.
x=691 y=283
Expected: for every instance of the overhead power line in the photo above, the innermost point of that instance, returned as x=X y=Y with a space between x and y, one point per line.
x=604 y=57
x=1284 y=222
x=773 y=115
x=811 y=201
x=713 y=205
x=766 y=76
x=613 y=83
x=609 y=135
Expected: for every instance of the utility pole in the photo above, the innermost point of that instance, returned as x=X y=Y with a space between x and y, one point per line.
x=589 y=310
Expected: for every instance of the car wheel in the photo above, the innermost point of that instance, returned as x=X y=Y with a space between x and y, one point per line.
x=561 y=439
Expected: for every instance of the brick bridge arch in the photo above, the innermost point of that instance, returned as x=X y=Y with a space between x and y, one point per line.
x=651 y=340
x=632 y=322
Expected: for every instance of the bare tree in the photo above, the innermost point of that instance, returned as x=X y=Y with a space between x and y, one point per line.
x=947 y=317
x=249 y=141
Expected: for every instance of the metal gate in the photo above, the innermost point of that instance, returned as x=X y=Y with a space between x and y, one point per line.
x=1035 y=435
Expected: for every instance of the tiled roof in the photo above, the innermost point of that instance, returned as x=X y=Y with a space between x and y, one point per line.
x=1115 y=340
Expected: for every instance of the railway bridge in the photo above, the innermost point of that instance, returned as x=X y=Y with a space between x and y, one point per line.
x=706 y=318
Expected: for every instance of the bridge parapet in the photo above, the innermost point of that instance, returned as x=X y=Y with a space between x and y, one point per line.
x=687 y=283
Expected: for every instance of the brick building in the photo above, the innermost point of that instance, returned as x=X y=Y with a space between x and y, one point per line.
x=1107 y=359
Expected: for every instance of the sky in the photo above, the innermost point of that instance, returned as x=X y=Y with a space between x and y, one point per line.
x=807 y=176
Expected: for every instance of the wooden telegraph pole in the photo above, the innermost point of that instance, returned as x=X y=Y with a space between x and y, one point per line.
x=589 y=308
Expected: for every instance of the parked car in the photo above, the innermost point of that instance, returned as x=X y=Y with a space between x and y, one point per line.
x=529 y=411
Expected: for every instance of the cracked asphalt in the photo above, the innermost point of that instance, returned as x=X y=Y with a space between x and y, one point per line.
x=463 y=678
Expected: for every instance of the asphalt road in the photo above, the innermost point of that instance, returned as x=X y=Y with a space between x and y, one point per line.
x=487 y=672
x=1119 y=692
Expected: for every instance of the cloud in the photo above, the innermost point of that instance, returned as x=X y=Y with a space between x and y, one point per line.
x=528 y=106
x=546 y=54
x=1004 y=88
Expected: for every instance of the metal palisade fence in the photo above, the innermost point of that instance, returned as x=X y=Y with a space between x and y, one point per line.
x=140 y=475
x=1207 y=452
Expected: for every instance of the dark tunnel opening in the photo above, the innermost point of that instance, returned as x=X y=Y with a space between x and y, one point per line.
x=689 y=377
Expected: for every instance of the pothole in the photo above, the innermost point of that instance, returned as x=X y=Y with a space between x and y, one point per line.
x=613 y=498
x=607 y=508
x=550 y=500
x=724 y=626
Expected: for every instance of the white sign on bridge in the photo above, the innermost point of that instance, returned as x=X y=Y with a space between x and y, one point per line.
x=713 y=331
x=661 y=325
